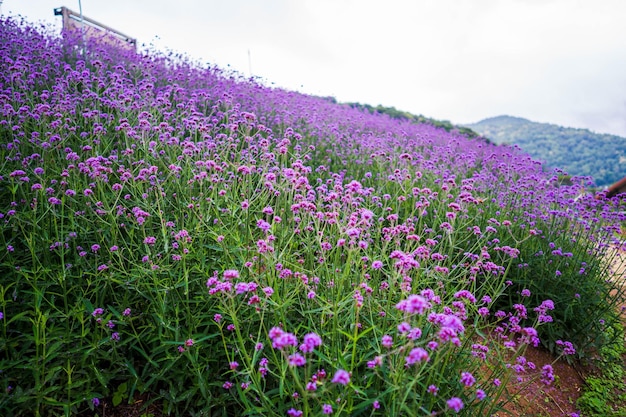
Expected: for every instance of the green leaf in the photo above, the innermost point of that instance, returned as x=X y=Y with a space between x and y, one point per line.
x=88 y=306
x=51 y=350
x=117 y=399
x=115 y=312
x=122 y=390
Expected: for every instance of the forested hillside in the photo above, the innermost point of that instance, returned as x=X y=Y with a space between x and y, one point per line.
x=577 y=151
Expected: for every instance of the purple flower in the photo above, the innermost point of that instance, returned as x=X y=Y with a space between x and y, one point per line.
x=387 y=341
x=568 y=347
x=241 y=287
x=455 y=404
x=465 y=294
x=327 y=409
x=467 y=379
x=281 y=339
x=547 y=374
x=115 y=336
x=545 y=318
x=480 y=394
x=292 y=412
x=416 y=355
x=310 y=341
x=17 y=173
x=95 y=401
x=414 y=304
x=542 y=309
x=263 y=225
x=377 y=361
x=231 y=274
x=296 y=359
x=520 y=310
x=341 y=377
x=404 y=327
x=414 y=333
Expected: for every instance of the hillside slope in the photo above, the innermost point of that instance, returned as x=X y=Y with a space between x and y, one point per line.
x=171 y=232
x=577 y=151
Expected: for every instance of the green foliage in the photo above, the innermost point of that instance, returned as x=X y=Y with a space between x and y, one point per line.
x=120 y=394
x=552 y=265
x=579 y=152
x=605 y=393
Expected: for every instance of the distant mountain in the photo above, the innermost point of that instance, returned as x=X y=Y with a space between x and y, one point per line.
x=576 y=151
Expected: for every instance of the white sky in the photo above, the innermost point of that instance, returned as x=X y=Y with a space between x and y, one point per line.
x=554 y=61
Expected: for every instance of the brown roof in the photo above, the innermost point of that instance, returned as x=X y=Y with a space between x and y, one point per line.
x=616 y=188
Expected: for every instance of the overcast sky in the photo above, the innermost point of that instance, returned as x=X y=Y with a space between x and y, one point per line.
x=554 y=61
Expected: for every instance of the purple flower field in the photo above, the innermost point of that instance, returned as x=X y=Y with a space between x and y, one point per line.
x=176 y=230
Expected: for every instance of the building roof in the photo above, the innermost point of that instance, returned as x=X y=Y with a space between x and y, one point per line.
x=616 y=188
